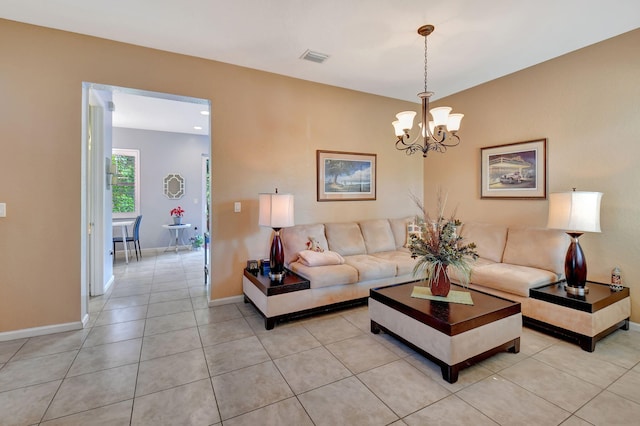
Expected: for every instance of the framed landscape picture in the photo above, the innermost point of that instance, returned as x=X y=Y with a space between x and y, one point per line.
x=516 y=170
x=346 y=176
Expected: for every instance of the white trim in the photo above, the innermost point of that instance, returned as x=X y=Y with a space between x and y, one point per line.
x=634 y=326
x=226 y=301
x=41 y=331
x=109 y=283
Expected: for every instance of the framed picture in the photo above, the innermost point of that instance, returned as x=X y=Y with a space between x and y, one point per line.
x=346 y=176
x=515 y=170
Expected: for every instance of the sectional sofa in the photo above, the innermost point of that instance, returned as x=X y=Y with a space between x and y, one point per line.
x=342 y=261
x=357 y=256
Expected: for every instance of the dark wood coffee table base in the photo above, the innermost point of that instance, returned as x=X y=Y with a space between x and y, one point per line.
x=450 y=372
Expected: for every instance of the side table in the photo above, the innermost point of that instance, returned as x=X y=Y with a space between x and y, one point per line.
x=175 y=229
x=587 y=318
x=263 y=293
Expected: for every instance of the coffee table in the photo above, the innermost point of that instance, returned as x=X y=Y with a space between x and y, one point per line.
x=452 y=335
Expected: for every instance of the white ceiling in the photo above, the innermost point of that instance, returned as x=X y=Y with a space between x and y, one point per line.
x=372 y=44
x=136 y=110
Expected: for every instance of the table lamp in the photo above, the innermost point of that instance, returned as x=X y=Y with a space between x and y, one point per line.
x=575 y=212
x=276 y=211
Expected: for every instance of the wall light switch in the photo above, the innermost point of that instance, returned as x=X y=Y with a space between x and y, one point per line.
x=237 y=207
x=3 y=209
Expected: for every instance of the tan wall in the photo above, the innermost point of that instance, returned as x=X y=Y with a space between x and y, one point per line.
x=266 y=129
x=587 y=104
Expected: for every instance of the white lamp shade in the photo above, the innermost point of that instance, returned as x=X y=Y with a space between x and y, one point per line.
x=276 y=210
x=453 y=125
x=406 y=119
x=440 y=115
x=398 y=128
x=575 y=211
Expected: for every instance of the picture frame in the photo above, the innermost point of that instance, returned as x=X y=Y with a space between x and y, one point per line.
x=514 y=171
x=345 y=176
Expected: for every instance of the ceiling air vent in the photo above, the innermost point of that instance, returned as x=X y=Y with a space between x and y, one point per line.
x=312 y=56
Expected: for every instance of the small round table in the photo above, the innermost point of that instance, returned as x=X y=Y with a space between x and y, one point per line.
x=176 y=229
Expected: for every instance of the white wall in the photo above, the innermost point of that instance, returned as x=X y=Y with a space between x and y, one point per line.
x=162 y=153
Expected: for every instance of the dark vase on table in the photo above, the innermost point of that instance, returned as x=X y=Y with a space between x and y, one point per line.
x=441 y=284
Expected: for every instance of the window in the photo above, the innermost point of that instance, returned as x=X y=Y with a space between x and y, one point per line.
x=125 y=190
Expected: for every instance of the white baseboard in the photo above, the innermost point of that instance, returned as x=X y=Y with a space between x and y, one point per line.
x=634 y=326
x=226 y=301
x=41 y=331
x=109 y=283
x=85 y=320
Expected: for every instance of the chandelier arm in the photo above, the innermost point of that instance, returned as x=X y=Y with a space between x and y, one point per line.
x=448 y=137
x=412 y=148
x=405 y=140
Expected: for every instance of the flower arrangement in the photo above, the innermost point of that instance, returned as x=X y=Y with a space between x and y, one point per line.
x=177 y=212
x=439 y=246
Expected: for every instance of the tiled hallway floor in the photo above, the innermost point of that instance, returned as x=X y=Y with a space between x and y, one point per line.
x=155 y=354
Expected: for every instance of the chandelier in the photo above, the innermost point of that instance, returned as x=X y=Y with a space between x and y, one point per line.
x=440 y=133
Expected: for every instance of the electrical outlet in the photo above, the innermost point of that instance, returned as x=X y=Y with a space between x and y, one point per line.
x=3 y=209
x=237 y=207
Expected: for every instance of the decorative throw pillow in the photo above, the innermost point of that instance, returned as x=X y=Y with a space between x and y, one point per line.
x=412 y=229
x=314 y=245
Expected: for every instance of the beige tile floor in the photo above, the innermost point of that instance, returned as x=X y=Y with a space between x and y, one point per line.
x=155 y=354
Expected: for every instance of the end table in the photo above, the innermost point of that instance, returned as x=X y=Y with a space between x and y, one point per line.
x=260 y=291
x=594 y=315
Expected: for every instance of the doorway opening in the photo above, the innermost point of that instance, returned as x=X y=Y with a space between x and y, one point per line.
x=172 y=134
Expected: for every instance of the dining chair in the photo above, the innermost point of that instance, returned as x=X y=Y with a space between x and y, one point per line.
x=135 y=239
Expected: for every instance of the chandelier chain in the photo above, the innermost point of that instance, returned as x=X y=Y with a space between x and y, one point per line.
x=425 y=64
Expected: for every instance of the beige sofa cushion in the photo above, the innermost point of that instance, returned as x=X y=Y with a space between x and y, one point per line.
x=490 y=239
x=295 y=238
x=399 y=229
x=510 y=278
x=345 y=238
x=326 y=276
x=537 y=247
x=402 y=259
x=377 y=235
x=371 y=267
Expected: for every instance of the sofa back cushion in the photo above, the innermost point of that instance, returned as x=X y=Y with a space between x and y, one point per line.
x=377 y=235
x=399 y=229
x=540 y=248
x=489 y=238
x=295 y=238
x=345 y=238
